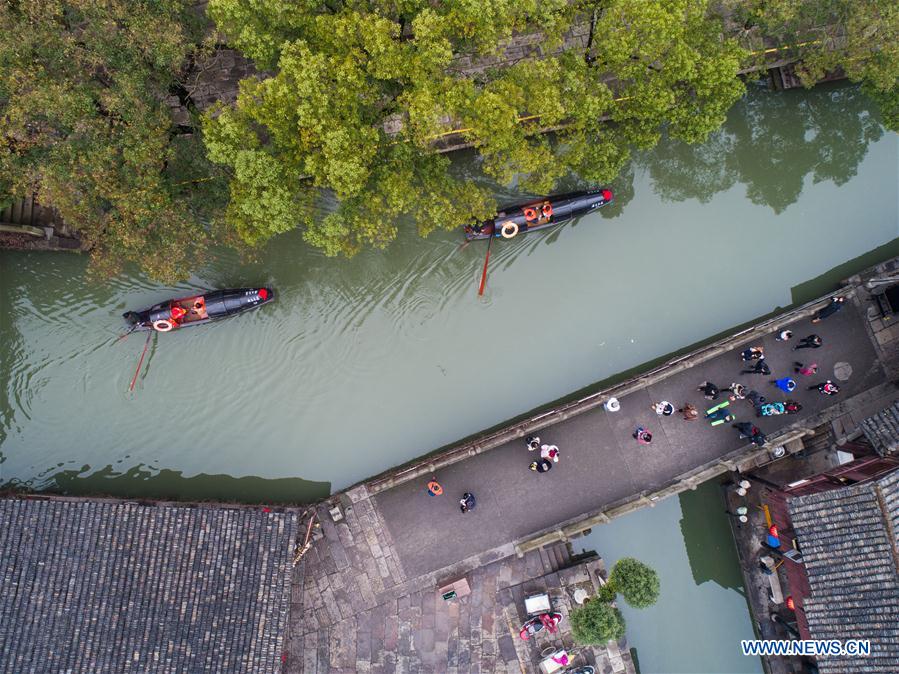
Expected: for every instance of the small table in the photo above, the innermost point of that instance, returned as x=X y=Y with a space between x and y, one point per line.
x=537 y=604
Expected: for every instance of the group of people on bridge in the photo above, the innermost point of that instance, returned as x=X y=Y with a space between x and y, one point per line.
x=754 y=362
x=754 y=358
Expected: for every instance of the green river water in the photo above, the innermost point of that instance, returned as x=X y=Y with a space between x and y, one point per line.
x=366 y=363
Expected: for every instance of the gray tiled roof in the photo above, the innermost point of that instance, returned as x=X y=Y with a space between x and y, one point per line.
x=103 y=586
x=882 y=430
x=849 y=543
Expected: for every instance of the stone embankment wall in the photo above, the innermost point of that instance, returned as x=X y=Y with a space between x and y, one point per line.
x=26 y=225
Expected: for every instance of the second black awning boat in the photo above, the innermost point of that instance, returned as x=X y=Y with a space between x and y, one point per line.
x=539 y=214
x=198 y=309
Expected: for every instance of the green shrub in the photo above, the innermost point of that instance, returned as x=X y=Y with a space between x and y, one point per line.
x=596 y=623
x=638 y=583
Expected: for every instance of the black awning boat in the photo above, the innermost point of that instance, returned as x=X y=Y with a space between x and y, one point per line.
x=197 y=309
x=539 y=214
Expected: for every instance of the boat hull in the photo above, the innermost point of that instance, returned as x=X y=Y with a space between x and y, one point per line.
x=534 y=215
x=199 y=309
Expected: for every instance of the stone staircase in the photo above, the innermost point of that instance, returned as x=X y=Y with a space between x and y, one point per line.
x=25 y=224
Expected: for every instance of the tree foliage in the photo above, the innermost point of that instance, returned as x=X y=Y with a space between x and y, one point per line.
x=358 y=93
x=861 y=37
x=85 y=127
x=596 y=623
x=637 y=582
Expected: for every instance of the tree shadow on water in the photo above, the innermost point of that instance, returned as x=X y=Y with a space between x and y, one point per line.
x=771 y=142
x=142 y=482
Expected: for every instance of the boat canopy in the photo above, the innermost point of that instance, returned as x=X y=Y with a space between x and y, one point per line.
x=226 y=302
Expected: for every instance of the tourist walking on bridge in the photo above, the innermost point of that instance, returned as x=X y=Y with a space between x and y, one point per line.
x=533 y=443
x=467 y=502
x=756 y=399
x=836 y=303
x=810 y=342
x=785 y=384
x=550 y=452
x=541 y=466
x=784 y=336
x=753 y=353
x=828 y=388
x=738 y=391
x=805 y=370
x=753 y=433
x=642 y=436
x=434 y=488
x=719 y=414
x=760 y=367
x=709 y=390
x=690 y=412
x=663 y=408
x=792 y=407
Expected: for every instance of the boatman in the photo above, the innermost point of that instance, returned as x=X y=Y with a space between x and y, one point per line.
x=178 y=313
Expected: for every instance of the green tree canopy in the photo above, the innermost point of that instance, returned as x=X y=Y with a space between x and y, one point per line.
x=637 y=582
x=358 y=92
x=861 y=37
x=596 y=623
x=85 y=126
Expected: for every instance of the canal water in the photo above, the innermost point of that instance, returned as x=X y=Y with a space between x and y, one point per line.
x=366 y=363
x=702 y=614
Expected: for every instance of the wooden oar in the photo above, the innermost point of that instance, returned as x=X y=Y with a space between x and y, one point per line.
x=484 y=273
x=140 y=362
x=121 y=337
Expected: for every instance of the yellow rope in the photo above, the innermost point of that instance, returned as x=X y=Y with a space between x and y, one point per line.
x=788 y=46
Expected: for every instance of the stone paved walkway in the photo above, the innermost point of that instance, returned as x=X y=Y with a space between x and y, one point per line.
x=340 y=623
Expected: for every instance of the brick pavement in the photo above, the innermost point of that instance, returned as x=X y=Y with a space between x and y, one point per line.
x=338 y=625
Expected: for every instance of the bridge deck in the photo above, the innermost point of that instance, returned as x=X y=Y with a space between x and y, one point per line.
x=600 y=461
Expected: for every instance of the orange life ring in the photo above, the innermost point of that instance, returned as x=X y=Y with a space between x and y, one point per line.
x=530 y=214
x=509 y=229
x=547 y=210
x=162 y=325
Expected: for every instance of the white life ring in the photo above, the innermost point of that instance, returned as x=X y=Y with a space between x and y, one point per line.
x=509 y=229
x=612 y=405
x=162 y=325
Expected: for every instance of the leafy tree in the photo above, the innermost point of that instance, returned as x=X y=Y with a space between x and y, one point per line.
x=858 y=36
x=359 y=91
x=85 y=127
x=596 y=623
x=637 y=582
x=607 y=593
